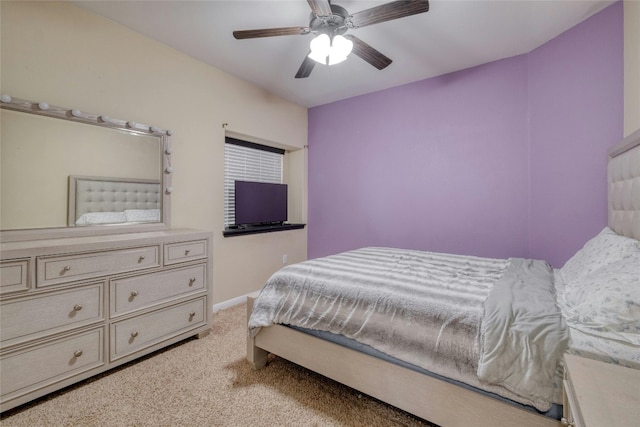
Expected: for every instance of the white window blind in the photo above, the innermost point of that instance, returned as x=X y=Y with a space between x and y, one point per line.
x=245 y=161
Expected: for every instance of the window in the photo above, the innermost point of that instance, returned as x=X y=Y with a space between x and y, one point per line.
x=246 y=161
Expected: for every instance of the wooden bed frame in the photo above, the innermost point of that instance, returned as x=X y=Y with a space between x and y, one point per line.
x=427 y=397
x=432 y=399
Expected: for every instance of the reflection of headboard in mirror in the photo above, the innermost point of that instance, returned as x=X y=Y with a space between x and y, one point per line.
x=97 y=200
x=41 y=145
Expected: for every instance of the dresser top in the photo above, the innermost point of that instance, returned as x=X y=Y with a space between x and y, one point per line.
x=70 y=244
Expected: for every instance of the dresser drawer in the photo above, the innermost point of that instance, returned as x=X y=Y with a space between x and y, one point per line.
x=184 y=251
x=50 y=313
x=14 y=275
x=37 y=367
x=132 y=293
x=131 y=335
x=58 y=269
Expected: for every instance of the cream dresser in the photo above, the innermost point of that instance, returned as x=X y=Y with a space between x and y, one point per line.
x=74 y=307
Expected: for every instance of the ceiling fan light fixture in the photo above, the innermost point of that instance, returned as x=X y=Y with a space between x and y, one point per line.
x=328 y=22
x=320 y=48
x=341 y=48
x=336 y=50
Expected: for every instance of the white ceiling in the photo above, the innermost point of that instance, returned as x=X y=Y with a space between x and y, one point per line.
x=452 y=35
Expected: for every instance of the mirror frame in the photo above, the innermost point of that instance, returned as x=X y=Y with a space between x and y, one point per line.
x=131 y=127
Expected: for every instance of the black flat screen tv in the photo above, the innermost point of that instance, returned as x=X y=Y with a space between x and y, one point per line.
x=260 y=203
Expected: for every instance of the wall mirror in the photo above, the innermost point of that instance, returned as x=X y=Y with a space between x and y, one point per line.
x=65 y=172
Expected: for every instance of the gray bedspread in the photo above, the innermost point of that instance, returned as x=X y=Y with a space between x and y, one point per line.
x=423 y=308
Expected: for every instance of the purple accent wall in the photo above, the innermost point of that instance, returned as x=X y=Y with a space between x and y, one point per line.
x=455 y=163
x=439 y=165
x=576 y=113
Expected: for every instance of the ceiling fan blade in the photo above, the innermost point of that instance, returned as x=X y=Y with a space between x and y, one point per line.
x=369 y=54
x=306 y=68
x=320 y=7
x=389 y=11
x=271 y=32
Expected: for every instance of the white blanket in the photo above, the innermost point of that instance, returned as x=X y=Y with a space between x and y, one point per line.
x=523 y=332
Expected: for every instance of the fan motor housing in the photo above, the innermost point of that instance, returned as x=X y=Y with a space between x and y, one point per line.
x=331 y=25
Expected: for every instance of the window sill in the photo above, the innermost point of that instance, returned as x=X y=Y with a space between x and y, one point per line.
x=256 y=229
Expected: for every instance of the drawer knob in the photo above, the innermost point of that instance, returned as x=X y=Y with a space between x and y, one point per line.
x=134 y=293
x=77 y=353
x=77 y=307
x=191 y=315
x=141 y=258
x=134 y=334
x=186 y=252
x=66 y=268
x=192 y=281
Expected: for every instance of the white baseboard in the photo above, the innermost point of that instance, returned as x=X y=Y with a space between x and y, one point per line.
x=230 y=303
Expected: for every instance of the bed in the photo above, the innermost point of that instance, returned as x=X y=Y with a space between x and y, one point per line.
x=96 y=200
x=492 y=364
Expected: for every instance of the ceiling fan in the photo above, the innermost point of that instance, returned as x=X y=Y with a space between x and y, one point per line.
x=330 y=21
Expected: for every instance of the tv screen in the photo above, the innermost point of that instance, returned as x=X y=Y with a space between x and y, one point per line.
x=260 y=203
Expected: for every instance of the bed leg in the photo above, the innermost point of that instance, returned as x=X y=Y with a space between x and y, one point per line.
x=255 y=355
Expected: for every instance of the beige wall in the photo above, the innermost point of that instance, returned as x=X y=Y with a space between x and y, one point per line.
x=631 y=66
x=64 y=55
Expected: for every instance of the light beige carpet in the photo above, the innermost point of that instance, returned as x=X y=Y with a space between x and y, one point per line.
x=207 y=382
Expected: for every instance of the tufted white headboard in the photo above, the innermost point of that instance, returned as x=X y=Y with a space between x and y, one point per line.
x=91 y=194
x=624 y=186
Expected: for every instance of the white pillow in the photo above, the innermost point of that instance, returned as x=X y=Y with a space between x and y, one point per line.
x=101 y=218
x=142 y=215
x=606 y=303
x=603 y=249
